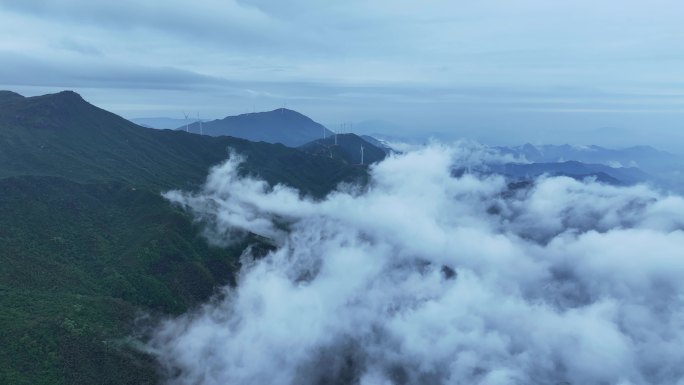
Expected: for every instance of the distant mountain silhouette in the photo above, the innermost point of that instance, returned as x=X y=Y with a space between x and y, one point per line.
x=278 y=126
x=644 y=157
x=381 y=127
x=63 y=135
x=9 y=96
x=573 y=169
x=163 y=123
x=662 y=168
x=348 y=149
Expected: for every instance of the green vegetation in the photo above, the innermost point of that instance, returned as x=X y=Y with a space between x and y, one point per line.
x=87 y=244
x=62 y=135
x=346 y=148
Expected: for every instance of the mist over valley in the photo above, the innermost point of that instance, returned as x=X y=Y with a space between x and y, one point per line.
x=258 y=192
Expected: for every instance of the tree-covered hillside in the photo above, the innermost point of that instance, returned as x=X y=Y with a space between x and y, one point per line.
x=345 y=147
x=87 y=244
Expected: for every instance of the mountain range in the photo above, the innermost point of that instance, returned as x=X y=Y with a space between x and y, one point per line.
x=629 y=165
x=89 y=244
x=645 y=157
x=289 y=128
x=91 y=250
x=163 y=122
x=573 y=169
x=278 y=126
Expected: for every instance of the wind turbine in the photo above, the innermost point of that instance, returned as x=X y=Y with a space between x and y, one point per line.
x=186 y=122
x=362 y=154
x=200 y=124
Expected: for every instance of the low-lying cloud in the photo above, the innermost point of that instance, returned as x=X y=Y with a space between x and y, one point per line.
x=423 y=277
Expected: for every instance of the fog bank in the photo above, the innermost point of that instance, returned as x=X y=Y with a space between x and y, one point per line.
x=422 y=277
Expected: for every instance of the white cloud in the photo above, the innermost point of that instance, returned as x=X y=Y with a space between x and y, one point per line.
x=564 y=281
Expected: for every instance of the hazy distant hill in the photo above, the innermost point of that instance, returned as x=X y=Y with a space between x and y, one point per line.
x=378 y=143
x=347 y=148
x=380 y=127
x=164 y=123
x=278 y=126
x=660 y=167
x=644 y=157
x=574 y=169
x=87 y=243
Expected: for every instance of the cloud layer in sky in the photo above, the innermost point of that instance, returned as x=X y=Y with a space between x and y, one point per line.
x=427 y=278
x=494 y=70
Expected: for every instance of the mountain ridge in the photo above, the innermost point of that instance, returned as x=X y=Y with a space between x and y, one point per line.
x=281 y=125
x=9 y=96
x=63 y=135
x=574 y=169
x=89 y=243
x=346 y=147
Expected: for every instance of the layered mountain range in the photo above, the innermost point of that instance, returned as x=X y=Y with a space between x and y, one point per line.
x=90 y=248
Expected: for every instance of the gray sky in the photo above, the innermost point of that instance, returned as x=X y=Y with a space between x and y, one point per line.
x=607 y=72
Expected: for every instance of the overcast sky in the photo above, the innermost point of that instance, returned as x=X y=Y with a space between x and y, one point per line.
x=496 y=70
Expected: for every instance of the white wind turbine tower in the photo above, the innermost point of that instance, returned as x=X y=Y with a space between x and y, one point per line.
x=362 y=154
x=186 y=122
x=200 y=124
x=336 y=132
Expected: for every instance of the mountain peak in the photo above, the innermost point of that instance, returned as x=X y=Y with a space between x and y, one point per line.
x=281 y=125
x=276 y=114
x=67 y=95
x=286 y=111
x=62 y=100
x=8 y=93
x=9 y=96
x=61 y=110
